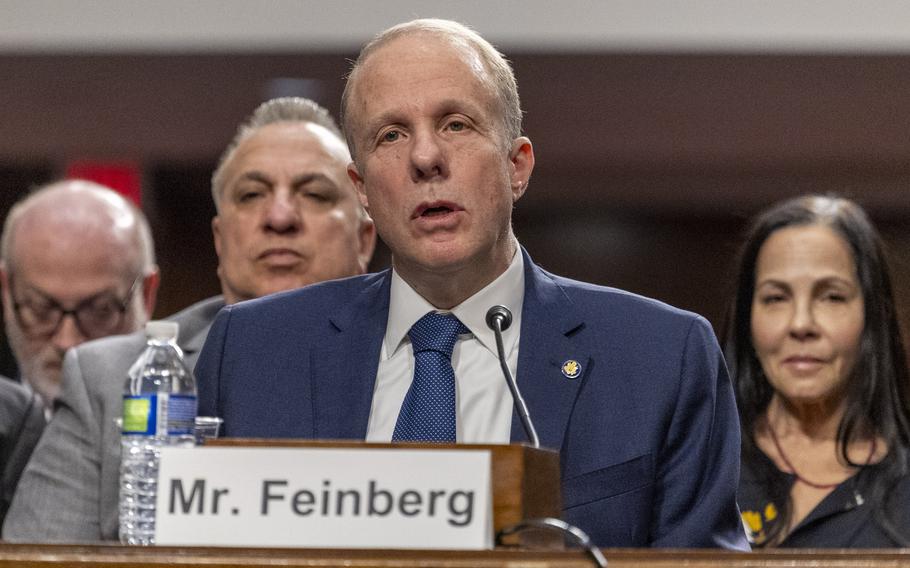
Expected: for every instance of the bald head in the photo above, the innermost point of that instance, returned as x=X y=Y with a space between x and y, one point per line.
x=77 y=264
x=73 y=212
x=497 y=75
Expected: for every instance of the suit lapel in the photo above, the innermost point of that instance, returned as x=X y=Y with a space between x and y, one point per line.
x=345 y=363
x=549 y=320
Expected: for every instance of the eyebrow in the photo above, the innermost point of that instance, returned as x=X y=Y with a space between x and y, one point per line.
x=111 y=292
x=450 y=104
x=833 y=279
x=447 y=106
x=302 y=179
x=254 y=175
x=387 y=117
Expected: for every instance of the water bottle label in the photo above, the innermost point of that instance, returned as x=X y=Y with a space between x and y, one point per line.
x=181 y=414
x=140 y=415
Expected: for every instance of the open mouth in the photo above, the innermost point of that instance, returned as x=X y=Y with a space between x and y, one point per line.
x=435 y=209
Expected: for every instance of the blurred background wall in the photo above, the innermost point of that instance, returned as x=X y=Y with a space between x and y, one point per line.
x=659 y=126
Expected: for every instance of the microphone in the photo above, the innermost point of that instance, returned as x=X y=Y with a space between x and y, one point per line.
x=499 y=318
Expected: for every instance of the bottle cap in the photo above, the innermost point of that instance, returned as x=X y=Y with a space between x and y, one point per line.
x=161 y=330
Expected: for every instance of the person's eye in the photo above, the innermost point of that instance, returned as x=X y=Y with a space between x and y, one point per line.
x=768 y=299
x=391 y=136
x=456 y=126
x=99 y=312
x=316 y=196
x=104 y=308
x=248 y=190
x=835 y=297
x=247 y=196
x=41 y=311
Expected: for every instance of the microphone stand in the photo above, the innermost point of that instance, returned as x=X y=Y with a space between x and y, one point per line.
x=499 y=318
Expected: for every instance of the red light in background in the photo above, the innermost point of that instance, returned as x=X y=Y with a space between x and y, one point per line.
x=124 y=177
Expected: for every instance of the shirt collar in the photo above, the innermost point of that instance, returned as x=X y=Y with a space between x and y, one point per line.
x=406 y=306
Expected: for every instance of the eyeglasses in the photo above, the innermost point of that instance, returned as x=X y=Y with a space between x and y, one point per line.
x=95 y=317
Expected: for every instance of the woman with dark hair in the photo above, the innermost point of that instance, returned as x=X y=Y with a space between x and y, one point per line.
x=821 y=381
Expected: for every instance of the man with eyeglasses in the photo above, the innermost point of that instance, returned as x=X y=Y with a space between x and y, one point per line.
x=77 y=264
x=39 y=315
x=287 y=216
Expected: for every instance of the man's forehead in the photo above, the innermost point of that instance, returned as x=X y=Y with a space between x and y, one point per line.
x=89 y=251
x=73 y=235
x=429 y=48
x=289 y=143
x=73 y=269
x=73 y=206
x=432 y=57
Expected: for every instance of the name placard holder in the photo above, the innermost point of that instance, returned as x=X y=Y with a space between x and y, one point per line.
x=291 y=493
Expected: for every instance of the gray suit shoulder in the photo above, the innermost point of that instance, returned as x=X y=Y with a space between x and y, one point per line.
x=192 y=320
x=330 y=297
x=332 y=291
x=120 y=351
x=195 y=321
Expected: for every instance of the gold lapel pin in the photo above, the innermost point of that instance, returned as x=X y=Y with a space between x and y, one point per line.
x=571 y=369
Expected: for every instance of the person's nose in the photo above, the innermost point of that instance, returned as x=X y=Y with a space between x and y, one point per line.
x=802 y=323
x=428 y=160
x=67 y=334
x=282 y=215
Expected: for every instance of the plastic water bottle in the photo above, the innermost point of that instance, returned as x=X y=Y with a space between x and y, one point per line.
x=159 y=408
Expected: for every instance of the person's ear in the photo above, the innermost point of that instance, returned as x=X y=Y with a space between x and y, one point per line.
x=150 y=283
x=357 y=180
x=367 y=242
x=521 y=164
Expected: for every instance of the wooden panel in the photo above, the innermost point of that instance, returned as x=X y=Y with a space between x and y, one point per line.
x=47 y=556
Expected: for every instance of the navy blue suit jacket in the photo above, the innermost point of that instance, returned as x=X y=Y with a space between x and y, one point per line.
x=648 y=435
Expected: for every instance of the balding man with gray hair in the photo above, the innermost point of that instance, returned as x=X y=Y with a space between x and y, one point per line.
x=78 y=263
x=287 y=212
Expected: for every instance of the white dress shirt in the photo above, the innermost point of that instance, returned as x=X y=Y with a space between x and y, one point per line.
x=483 y=400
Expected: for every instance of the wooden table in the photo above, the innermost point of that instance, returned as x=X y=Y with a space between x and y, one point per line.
x=46 y=556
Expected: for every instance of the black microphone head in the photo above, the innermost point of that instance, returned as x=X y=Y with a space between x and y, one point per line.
x=500 y=313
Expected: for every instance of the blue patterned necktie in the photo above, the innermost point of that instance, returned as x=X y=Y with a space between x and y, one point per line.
x=428 y=411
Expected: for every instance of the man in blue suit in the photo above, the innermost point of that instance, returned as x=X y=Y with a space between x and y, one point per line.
x=633 y=393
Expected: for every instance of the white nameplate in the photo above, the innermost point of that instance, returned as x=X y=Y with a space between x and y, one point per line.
x=325 y=497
